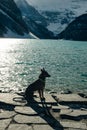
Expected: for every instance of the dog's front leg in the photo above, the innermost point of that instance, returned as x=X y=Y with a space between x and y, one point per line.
x=39 y=91
x=42 y=94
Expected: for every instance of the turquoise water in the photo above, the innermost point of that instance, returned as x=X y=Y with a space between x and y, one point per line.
x=22 y=59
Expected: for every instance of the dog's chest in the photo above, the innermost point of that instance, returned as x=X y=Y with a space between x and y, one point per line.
x=38 y=85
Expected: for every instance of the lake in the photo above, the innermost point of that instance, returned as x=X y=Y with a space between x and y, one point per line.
x=22 y=59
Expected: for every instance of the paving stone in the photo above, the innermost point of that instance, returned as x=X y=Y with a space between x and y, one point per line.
x=12 y=99
x=70 y=98
x=25 y=110
x=63 y=106
x=19 y=127
x=42 y=127
x=75 y=115
x=7 y=114
x=56 y=110
x=48 y=99
x=72 y=129
x=74 y=125
x=78 y=113
x=4 y=124
x=66 y=111
x=27 y=115
x=30 y=119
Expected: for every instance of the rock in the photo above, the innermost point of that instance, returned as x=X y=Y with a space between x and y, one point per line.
x=82 y=95
x=31 y=119
x=63 y=106
x=73 y=125
x=4 y=124
x=48 y=99
x=74 y=115
x=55 y=109
x=51 y=92
x=67 y=91
x=19 y=127
x=70 y=98
x=12 y=99
x=58 y=108
x=83 y=109
x=27 y=110
x=42 y=127
x=66 y=111
x=7 y=114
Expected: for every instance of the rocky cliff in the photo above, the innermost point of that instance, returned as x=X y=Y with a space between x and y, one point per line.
x=76 y=30
x=13 y=23
x=11 y=18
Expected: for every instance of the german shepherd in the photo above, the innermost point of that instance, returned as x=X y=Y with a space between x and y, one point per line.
x=38 y=85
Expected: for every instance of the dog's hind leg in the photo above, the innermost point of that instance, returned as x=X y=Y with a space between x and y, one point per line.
x=39 y=91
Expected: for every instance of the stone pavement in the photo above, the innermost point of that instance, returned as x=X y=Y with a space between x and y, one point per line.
x=61 y=112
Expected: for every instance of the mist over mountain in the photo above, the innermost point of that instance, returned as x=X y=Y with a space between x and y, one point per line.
x=38 y=19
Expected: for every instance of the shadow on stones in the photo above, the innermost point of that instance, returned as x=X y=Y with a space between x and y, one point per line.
x=42 y=111
x=75 y=106
x=45 y=114
x=6 y=106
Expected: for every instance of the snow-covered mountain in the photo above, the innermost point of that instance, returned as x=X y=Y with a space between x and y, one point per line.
x=57 y=13
x=44 y=19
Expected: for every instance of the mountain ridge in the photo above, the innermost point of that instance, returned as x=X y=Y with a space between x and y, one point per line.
x=21 y=18
x=76 y=30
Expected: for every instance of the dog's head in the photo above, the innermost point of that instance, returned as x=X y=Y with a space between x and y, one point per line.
x=44 y=73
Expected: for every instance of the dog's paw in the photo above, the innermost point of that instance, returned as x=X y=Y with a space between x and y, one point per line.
x=42 y=99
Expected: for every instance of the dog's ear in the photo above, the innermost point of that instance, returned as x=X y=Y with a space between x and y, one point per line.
x=42 y=70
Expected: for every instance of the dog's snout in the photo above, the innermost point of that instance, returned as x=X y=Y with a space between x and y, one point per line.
x=49 y=75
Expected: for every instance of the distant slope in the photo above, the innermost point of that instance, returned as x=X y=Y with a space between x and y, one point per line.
x=11 y=19
x=59 y=13
x=35 y=21
x=22 y=21
x=76 y=30
x=38 y=19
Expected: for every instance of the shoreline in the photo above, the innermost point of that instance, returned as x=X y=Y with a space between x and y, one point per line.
x=47 y=90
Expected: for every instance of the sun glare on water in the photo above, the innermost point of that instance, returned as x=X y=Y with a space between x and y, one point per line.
x=5 y=44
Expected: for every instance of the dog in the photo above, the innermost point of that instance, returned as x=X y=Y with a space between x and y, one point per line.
x=38 y=85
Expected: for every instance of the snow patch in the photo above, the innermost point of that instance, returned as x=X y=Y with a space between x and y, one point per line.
x=68 y=10
x=56 y=27
x=12 y=34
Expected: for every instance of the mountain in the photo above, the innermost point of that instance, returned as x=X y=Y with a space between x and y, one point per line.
x=35 y=21
x=38 y=19
x=13 y=23
x=76 y=30
x=57 y=13
x=11 y=19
